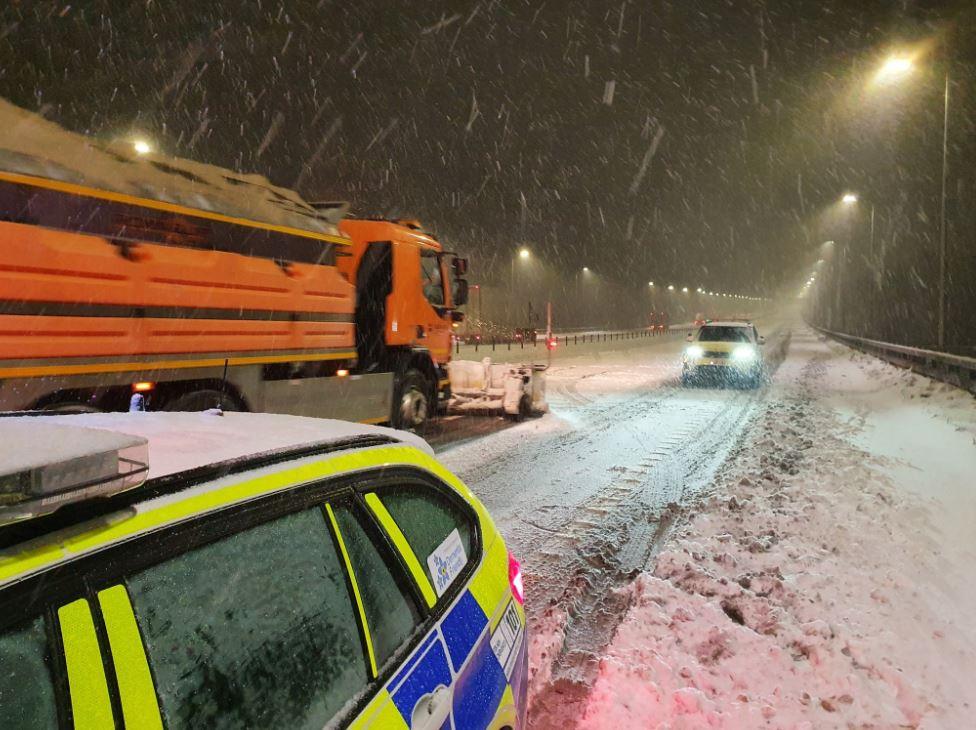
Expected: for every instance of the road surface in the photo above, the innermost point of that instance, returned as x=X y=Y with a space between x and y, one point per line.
x=582 y=495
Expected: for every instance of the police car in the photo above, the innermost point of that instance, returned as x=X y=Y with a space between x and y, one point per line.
x=729 y=351
x=175 y=570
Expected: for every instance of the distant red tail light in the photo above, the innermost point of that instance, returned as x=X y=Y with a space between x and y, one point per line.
x=515 y=579
x=552 y=343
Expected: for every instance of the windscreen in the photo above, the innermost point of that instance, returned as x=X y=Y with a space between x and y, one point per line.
x=724 y=334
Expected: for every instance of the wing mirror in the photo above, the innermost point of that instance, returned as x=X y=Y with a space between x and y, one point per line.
x=762 y=340
x=690 y=337
x=460 y=267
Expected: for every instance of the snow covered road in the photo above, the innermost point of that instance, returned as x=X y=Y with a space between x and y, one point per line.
x=582 y=495
x=796 y=556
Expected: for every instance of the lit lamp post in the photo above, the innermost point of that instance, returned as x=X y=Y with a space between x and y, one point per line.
x=523 y=255
x=585 y=271
x=892 y=71
x=481 y=314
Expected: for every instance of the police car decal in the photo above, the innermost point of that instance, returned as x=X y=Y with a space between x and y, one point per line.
x=446 y=562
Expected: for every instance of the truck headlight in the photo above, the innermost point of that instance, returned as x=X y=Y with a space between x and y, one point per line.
x=693 y=352
x=745 y=353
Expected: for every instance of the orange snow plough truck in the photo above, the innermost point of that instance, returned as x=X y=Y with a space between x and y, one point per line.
x=151 y=298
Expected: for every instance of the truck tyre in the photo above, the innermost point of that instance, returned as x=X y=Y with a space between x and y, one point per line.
x=202 y=400
x=411 y=401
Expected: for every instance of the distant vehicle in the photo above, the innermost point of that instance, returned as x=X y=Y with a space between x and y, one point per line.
x=727 y=351
x=260 y=570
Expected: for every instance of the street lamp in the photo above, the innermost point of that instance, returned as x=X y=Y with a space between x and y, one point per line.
x=849 y=199
x=650 y=283
x=894 y=69
x=523 y=255
x=141 y=146
x=684 y=289
x=670 y=287
x=586 y=269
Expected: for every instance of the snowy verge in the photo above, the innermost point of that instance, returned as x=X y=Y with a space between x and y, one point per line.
x=816 y=587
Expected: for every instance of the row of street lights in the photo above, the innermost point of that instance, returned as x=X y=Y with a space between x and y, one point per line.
x=524 y=254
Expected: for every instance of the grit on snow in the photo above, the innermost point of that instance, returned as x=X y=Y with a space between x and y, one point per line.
x=818 y=570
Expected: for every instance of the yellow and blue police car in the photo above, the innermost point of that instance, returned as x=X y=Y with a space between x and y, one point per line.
x=208 y=570
x=729 y=351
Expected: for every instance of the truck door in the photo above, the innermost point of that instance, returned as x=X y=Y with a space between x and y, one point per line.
x=437 y=328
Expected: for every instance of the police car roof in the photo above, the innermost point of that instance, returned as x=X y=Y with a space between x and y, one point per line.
x=180 y=442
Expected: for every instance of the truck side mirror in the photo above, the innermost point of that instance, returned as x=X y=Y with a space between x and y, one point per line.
x=460 y=293
x=460 y=267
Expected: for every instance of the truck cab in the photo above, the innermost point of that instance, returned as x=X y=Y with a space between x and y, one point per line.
x=408 y=293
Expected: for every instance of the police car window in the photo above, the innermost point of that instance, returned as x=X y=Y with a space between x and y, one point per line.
x=430 y=275
x=427 y=520
x=256 y=630
x=391 y=612
x=26 y=682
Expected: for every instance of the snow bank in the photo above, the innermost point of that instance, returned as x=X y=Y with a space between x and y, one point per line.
x=816 y=587
x=32 y=145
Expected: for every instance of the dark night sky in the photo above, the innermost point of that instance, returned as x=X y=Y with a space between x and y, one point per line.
x=486 y=118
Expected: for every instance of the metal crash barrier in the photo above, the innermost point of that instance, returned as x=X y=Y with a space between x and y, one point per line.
x=957 y=370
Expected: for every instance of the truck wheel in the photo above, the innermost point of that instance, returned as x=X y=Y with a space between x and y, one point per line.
x=411 y=401
x=202 y=400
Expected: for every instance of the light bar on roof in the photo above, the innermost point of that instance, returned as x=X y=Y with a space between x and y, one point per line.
x=44 y=466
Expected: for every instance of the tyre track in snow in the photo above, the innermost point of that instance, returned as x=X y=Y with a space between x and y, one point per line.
x=584 y=496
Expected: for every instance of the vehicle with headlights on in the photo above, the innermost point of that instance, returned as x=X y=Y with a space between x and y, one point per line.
x=727 y=352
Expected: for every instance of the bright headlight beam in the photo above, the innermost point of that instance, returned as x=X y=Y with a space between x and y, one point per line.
x=694 y=351
x=745 y=352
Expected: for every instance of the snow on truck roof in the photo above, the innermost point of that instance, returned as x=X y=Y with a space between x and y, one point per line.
x=180 y=442
x=34 y=146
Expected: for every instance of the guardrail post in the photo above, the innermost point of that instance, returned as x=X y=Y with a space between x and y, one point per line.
x=509 y=343
x=492 y=344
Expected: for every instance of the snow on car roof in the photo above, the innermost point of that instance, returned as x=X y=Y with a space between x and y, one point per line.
x=35 y=146
x=729 y=323
x=183 y=441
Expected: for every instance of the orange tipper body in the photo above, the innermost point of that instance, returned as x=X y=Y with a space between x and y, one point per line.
x=413 y=320
x=127 y=277
x=74 y=297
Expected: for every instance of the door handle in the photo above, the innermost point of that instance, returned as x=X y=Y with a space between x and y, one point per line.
x=431 y=710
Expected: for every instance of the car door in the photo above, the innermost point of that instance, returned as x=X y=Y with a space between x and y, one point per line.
x=244 y=618
x=439 y=539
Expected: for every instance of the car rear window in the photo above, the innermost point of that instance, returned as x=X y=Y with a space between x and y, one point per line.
x=258 y=629
x=26 y=682
x=724 y=334
x=427 y=520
